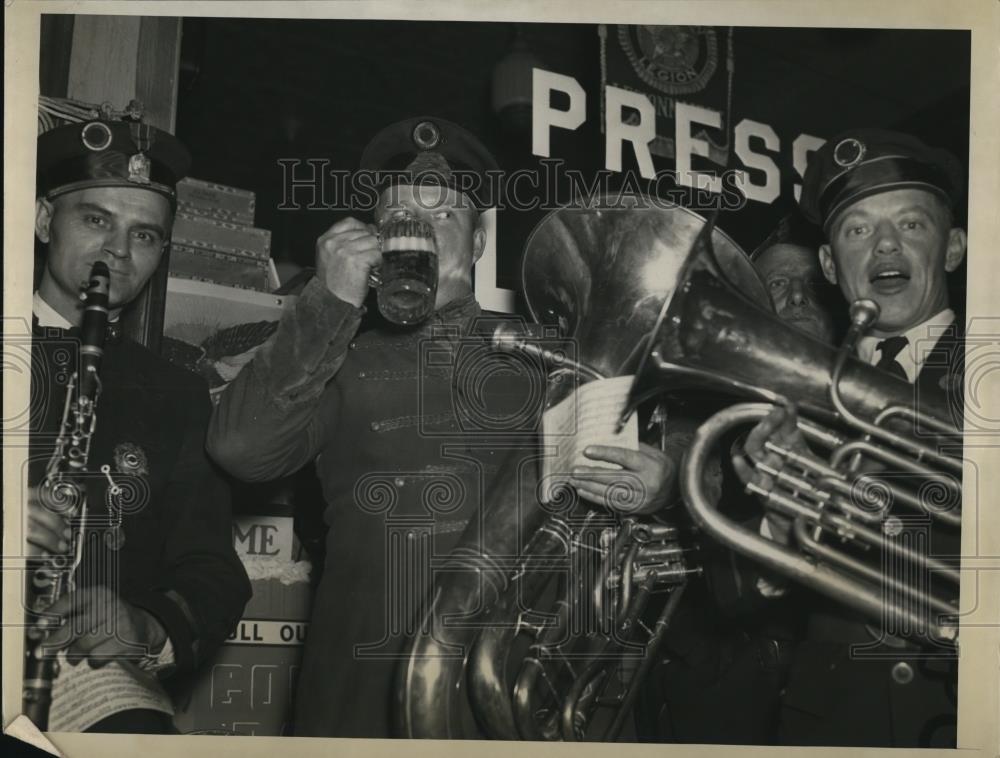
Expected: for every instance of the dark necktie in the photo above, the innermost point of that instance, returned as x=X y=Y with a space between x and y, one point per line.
x=889 y=349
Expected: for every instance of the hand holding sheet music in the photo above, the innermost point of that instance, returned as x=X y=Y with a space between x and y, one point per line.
x=585 y=452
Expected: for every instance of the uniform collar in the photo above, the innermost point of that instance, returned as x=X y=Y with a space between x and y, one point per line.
x=47 y=315
x=921 y=339
x=459 y=313
x=458 y=309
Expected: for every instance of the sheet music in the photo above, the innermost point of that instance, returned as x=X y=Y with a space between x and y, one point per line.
x=82 y=696
x=587 y=417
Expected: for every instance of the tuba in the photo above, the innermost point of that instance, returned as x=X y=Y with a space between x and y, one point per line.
x=549 y=617
x=653 y=290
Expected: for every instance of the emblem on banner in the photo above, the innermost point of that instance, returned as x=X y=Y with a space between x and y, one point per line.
x=676 y=60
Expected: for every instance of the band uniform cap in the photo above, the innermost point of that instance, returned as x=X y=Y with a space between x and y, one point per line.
x=864 y=162
x=430 y=150
x=101 y=153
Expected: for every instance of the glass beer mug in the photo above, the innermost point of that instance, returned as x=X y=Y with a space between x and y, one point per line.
x=407 y=278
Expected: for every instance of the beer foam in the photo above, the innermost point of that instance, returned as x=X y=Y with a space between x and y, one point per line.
x=416 y=244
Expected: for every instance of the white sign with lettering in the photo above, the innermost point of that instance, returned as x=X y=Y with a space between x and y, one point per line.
x=263 y=536
x=267 y=632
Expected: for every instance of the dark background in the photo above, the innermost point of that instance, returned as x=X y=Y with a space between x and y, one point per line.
x=256 y=90
x=252 y=91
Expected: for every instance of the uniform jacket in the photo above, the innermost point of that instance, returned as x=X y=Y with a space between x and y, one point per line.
x=725 y=650
x=847 y=687
x=406 y=428
x=177 y=559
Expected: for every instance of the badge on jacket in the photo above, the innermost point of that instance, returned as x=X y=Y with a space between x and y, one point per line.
x=131 y=462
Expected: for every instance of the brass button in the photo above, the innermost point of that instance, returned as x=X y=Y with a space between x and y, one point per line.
x=902 y=673
x=892 y=526
x=375 y=426
x=400 y=481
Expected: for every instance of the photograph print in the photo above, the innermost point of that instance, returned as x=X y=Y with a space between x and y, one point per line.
x=535 y=380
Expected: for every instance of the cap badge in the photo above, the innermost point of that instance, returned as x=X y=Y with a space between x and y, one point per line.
x=139 y=168
x=139 y=165
x=848 y=153
x=96 y=136
x=426 y=135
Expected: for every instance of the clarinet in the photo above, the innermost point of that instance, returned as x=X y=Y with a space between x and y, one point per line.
x=63 y=490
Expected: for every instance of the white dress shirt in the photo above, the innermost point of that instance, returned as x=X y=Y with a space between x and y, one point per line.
x=921 y=340
x=46 y=314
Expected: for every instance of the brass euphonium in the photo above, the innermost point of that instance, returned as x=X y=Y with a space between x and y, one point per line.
x=884 y=444
x=538 y=633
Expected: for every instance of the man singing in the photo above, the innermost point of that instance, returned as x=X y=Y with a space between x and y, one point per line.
x=885 y=203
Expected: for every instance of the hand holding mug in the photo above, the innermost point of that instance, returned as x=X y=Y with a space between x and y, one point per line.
x=345 y=257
